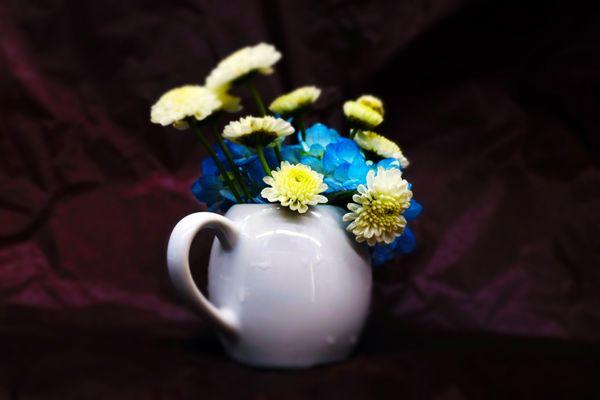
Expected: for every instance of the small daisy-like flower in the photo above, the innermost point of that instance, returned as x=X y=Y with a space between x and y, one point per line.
x=362 y=116
x=372 y=102
x=380 y=145
x=180 y=103
x=257 y=131
x=295 y=101
x=240 y=64
x=376 y=214
x=295 y=186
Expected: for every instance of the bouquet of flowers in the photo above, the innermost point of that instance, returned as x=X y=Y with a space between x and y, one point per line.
x=253 y=160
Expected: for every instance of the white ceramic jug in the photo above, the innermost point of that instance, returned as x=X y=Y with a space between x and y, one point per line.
x=285 y=289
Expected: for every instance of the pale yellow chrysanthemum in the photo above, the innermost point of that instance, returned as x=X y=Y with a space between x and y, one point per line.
x=376 y=214
x=380 y=145
x=257 y=131
x=295 y=186
x=238 y=65
x=372 y=102
x=362 y=116
x=180 y=103
x=295 y=101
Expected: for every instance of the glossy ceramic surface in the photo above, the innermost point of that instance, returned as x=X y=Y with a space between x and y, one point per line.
x=286 y=290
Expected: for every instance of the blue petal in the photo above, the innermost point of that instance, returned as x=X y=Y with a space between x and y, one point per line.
x=321 y=135
x=347 y=150
x=351 y=184
x=313 y=162
x=413 y=210
x=332 y=185
x=208 y=167
x=358 y=170
x=256 y=172
x=237 y=150
x=381 y=254
x=206 y=193
x=291 y=153
x=406 y=242
x=341 y=172
x=330 y=160
x=305 y=147
x=389 y=163
x=316 y=150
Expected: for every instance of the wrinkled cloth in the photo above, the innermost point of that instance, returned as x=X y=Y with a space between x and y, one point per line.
x=131 y=367
x=495 y=105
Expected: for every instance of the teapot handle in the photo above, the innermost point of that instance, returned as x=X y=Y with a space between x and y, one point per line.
x=179 y=267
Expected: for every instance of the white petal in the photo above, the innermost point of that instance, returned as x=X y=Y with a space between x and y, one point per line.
x=349 y=217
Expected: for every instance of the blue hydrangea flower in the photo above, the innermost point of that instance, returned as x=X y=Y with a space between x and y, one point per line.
x=210 y=189
x=339 y=159
x=342 y=151
x=413 y=211
x=405 y=243
x=344 y=165
x=318 y=137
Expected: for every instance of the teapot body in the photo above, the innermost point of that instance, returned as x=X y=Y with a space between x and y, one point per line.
x=298 y=286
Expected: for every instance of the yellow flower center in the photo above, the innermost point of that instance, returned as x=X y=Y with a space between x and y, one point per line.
x=299 y=184
x=381 y=213
x=295 y=186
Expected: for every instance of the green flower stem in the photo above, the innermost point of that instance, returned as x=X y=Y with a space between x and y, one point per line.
x=257 y=99
x=278 y=153
x=263 y=160
x=192 y=123
x=301 y=126
x=234 y=168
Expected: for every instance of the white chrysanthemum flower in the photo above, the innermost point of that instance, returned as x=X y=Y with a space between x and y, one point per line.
x=295 y=186
x=376 y=214
x=361 y=115
x=180 y=103
x=238 y=65
x=295 y=101
x=372 y=102
x=380 y=145
x=257 y=131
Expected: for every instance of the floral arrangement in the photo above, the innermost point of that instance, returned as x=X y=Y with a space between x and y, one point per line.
x=254 y=162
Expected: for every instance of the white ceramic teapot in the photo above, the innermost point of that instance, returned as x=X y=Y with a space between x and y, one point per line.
x=285 y=289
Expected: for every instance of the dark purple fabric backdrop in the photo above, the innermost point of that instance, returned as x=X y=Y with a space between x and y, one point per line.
x=496 y=104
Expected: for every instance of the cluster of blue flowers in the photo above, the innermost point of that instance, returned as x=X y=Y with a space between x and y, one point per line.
x=340 y=160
